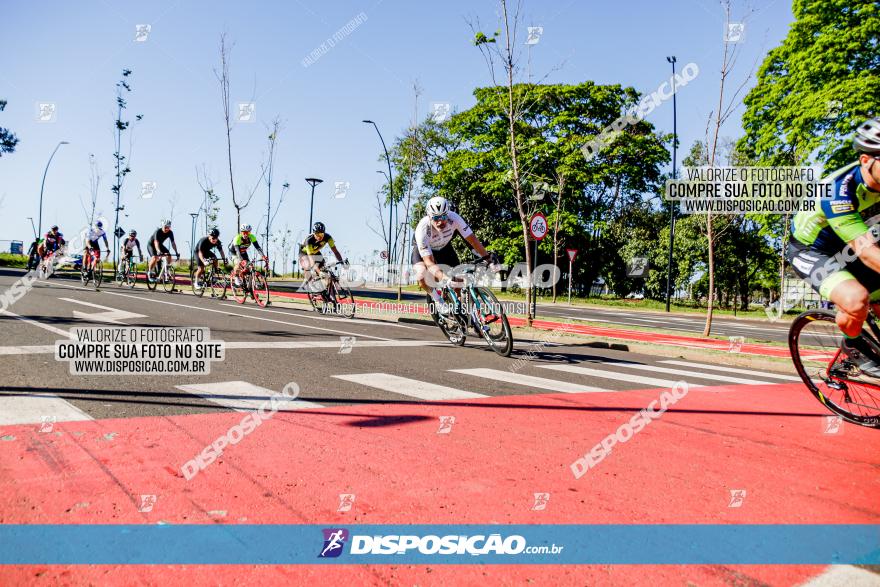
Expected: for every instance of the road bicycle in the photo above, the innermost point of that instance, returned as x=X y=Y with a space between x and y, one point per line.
x=96 y=272
x=830 y=375
x=214 y=279
x=327 y=294
x=126 y=273
x=251 y=281
x=46 y=266
x=473 y=307
x=163 y=272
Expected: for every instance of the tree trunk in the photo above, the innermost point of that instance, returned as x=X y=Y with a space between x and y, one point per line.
x=711 y=295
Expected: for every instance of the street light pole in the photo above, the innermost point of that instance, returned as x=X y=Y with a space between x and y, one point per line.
x=390 y=191
x=42 y=185
x=34 y=228
x=671 y=60
x=195 y=217
x=312 y=181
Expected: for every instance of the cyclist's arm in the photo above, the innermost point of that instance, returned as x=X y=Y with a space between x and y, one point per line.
x=865 y=246
x=174 y=246
x=219 y=247
x=256 y=244
x=475 y=243
x=106 y=244
x=336 y=252
x=137 y=243
x=848 y=224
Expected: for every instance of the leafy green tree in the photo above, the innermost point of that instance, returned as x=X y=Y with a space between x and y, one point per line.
x=8 y=140
x=817 y=86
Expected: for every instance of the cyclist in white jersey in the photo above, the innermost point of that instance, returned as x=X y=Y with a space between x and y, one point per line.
x=96 y=232
x=432 y=246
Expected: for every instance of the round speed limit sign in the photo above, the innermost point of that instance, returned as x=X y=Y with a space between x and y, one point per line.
x=538 y=226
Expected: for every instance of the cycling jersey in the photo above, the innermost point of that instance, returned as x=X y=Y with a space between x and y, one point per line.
x=313 y=246
x=841 y=219
x=429 y=238
x=819 y=237
x=161 y=236
x=95 y=234
x=53 y=240
x=129 y=245
x=241 y=244
x=204 y=246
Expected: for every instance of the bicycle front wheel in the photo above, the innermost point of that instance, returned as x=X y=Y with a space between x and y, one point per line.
x=453 y=325
x=260 y=289
x=219 y=282
x=344 y=299
x=98 y=274
x=814 y=341
x=169 y=279
x=492 y=321
x=238 y=290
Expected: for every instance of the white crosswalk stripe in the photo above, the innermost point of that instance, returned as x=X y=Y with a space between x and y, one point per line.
x=615 y=376
x=243 y=396
x=529 y=380
x=762 y=374
x=689 y=373
x=409 y=387
x=38 y=409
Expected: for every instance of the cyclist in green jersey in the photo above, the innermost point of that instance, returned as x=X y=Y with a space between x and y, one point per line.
x=239 y=249
x=835 y=247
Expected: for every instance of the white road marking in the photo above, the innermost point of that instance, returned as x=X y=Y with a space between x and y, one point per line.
x=409 y=387
x=763 y=374
x=36 y=409
x=52 y=329
x=306 y=314
x=27 y=350
x=539 y=382
x=685 y=373
x=242 y=396
x=626 y=377
x=229 y=313
x=111 y=315
x=844 y=575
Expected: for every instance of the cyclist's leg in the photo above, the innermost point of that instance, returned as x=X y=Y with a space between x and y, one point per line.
x=200 y=268
x=154 y=257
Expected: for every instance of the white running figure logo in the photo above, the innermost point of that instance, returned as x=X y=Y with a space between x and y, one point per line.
x=335 y=542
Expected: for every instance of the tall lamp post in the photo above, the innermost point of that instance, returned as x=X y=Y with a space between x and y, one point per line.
x=671 y=60
x=390 y=191
x=195 y=217
x=312 y=181
x=42 y=185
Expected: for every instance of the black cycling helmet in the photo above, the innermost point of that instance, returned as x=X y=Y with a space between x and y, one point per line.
x=132 y=233
x=867 y=137
x=54 y=227
x=214 y=232
x=319 y=227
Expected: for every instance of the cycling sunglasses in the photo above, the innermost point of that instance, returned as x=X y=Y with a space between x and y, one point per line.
x=443 y=217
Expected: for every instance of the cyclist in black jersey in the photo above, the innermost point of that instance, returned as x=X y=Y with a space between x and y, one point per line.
x=156 y=247
x=203 y=254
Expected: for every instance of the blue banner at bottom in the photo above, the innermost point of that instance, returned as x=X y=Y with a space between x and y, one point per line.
x=439 y=544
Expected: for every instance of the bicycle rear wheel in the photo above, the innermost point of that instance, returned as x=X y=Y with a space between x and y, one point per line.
x=494 y=325
x=814 y=341
x=260 y=290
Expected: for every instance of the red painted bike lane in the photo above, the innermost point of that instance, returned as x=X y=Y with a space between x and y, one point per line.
x=768 y=444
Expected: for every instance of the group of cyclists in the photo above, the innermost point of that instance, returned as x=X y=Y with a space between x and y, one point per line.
x=432 y=248
x=205 y=252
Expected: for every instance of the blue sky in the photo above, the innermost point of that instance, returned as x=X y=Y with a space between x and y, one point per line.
x=71 y=54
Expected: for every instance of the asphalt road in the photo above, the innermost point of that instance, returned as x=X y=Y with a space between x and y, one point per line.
x=269 y=348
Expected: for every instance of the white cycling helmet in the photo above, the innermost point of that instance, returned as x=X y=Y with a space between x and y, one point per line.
x=245 y=228
x=437 y=206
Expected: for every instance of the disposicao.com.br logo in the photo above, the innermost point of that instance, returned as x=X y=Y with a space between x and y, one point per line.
x=394 y=544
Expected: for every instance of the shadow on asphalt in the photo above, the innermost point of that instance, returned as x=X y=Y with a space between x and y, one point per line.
x=364 y=420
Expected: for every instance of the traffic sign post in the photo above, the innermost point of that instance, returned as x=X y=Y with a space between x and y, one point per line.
x=572 y=253
x=538 y=229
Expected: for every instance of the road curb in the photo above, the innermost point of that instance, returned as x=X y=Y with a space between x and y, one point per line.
x=416 y=321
